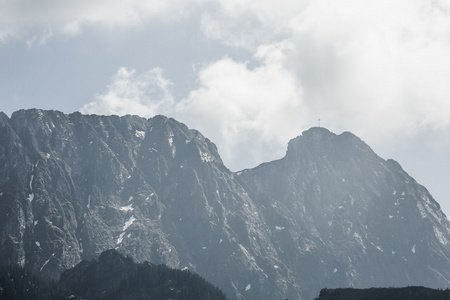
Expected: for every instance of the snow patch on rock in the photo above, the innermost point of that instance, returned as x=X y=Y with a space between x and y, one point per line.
x=127 y=207
x=139 y=134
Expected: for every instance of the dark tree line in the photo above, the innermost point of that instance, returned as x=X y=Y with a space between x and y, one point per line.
x=17 y=283
x=135 y=281
x=406 y=293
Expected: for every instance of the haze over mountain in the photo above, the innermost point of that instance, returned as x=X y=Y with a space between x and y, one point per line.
x=331 y=213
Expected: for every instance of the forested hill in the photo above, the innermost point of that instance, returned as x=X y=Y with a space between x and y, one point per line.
x=406 y=293
x=112 y=276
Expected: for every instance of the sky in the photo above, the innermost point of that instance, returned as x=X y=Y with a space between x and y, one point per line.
x=250 y=74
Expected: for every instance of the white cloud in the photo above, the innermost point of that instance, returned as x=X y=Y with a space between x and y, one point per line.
x=22 y=18
x=250 y=23
x=377 y=68
x=250 y=113
x=143 y=94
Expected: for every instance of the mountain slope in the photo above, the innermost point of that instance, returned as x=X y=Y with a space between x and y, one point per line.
x=346 y=217
x=76 y=185
x=331 y=213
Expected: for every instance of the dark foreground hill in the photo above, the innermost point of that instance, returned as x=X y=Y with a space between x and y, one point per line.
x=331 y=213
x=112 y=276
x=406 y=293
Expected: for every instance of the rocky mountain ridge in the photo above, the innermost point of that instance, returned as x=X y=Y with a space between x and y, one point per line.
x=331 y=213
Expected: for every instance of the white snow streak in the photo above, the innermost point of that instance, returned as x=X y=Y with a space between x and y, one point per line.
x=46 y=262
x=31 y=195
x=31 y=182
x=421 y=210
x=125 y=227
x=440 y=236
x=139 y=134
x=205 y=157
x=120 y=239
x=129 y=222
x=127 y=208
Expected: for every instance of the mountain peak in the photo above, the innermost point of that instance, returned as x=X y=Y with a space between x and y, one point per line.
x=320 y=142
x=316 y=130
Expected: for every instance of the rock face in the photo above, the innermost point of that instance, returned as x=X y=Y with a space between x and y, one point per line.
x=330 y=213
x=346 y=217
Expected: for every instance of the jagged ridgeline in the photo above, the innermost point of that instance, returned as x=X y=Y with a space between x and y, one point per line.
x=112 y=276
x=331 y=213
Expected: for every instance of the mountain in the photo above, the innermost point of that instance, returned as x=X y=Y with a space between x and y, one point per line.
x=112 y=276
x=406 y=293
x=346 y=217
x=331 y=213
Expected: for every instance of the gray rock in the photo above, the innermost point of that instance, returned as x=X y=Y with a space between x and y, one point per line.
x=331 y=213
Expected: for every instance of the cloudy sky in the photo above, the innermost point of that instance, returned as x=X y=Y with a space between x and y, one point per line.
x=249 y=74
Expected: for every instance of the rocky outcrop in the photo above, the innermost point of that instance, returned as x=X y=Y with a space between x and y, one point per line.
x=331 y=213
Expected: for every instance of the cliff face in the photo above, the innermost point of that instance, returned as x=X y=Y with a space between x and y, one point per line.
x=330 y=213
x=74 y=185
x=346 y=217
